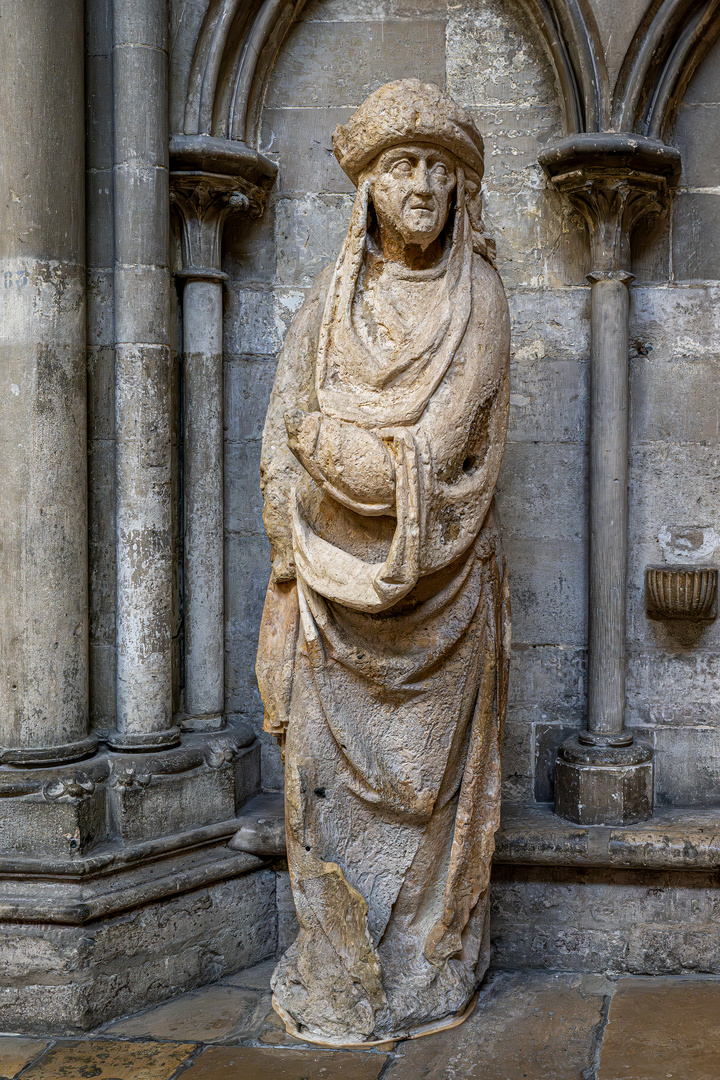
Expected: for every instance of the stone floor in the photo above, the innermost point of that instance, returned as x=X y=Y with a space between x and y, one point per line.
x=527 y=1025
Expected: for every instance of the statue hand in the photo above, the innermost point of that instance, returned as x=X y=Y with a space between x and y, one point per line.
x=302 y=431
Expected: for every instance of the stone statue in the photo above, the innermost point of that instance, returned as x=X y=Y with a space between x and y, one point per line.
x=384 y=643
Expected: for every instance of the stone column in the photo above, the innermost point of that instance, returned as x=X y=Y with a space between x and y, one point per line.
x=211 y=178
x=604 y=776
x=142 y=378
x=203 y=502
x=43 y=507
x=609 y=416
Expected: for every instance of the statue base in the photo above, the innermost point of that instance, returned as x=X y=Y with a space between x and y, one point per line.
x=433 y=1028
x=604 y=785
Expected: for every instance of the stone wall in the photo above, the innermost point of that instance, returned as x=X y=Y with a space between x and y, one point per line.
x=674 y=674
x=636 y=922
x=117 y=885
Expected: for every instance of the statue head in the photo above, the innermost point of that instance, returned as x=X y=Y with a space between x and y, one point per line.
x=411 y=185
x=407 y=142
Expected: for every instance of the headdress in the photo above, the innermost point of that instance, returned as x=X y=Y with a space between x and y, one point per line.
x=403 y=111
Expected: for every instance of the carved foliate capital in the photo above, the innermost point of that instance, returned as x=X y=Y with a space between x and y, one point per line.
x=615 y=181
x=210 y=179
x=202 y=203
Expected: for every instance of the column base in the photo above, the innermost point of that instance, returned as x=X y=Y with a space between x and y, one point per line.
x=70 y=811
x=202 y=722
x=50 y=755
x=604 y=785
x=128 y=742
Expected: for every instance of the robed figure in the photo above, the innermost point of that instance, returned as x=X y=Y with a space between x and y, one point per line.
x=383 y=652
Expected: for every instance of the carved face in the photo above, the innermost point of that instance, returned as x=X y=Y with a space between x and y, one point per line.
x=411 y=191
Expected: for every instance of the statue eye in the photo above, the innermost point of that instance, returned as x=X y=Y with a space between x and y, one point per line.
x=440 y=171
x=402 y=167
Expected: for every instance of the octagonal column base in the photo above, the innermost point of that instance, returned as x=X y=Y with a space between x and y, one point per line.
x=596 y=785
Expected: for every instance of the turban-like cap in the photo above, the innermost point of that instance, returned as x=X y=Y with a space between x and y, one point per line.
x=407 y=111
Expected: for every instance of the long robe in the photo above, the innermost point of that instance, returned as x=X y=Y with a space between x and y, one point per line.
x=384 y=645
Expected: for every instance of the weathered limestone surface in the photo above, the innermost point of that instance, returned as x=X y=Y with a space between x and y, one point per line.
x=496 y=68
x=122 y=831
x=143 y=466
x=655 y=1031
x=542 y=1025
x=245 y=1063
x=122 y=1061
x=381 y=450
x=100 y=361
x=43 y=464
x=642 y=922
x=558 y=1015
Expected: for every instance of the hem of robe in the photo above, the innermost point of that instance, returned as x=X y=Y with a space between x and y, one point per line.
x=433 y=1027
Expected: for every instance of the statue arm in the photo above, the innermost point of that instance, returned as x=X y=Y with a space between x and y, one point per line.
x=466 y=422
x=293 y=389
x=464 y=430
x=351 y=464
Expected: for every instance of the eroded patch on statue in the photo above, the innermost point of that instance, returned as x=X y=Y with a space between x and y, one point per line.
x=384 y=648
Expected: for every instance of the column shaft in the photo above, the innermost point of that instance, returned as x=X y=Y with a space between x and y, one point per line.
x=204 y=579
x=211 y=178
x=609 y=396
x=603 y=775
x=43 y=465
x=142 y=377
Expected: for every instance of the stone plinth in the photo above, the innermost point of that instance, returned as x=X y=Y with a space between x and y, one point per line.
x=71 y=975
x=603 y=785
x=117 y=886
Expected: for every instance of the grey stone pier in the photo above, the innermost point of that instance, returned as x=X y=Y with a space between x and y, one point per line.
x=43 y=512
x=142 y=378
x=604 y=776
x=210 y=178
x=117 y=886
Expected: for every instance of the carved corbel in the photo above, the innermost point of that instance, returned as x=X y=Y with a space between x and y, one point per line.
x=202 y=203
x=210 y=179
x=614 y=181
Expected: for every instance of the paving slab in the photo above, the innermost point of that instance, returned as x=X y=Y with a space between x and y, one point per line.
x=215 y=1013
x=249 y=1063
x=254 y=978
x=274 y=1033
x=662 y=1029
x=16 y=1053
x=526 y=1026
x=105 y=1060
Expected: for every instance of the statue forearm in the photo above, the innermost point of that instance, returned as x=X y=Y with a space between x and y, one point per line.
x=349 y=462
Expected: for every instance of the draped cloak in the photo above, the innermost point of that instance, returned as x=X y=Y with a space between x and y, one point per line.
x=383 y=655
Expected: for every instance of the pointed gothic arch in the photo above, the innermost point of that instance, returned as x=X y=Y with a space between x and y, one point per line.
x=668 y=45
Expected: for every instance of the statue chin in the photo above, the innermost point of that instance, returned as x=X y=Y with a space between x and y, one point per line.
x=380 y=665
x=420 y=231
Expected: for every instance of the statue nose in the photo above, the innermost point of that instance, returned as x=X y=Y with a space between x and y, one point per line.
x=421 y=180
